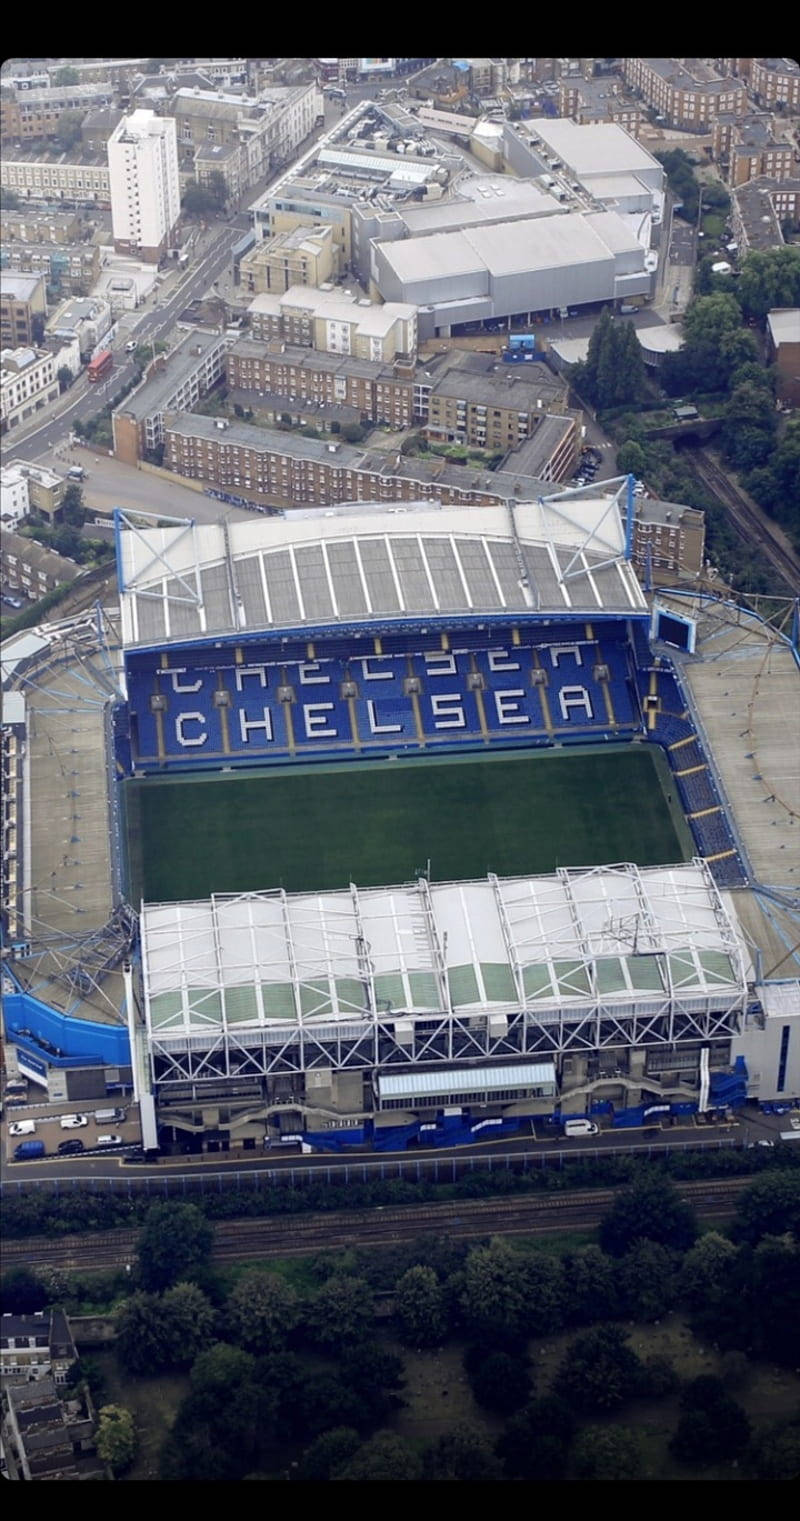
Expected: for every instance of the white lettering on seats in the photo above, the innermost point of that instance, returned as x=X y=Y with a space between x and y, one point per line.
x=439 y=663
x=183 y=739
x=574 y=697
x=314 y=719
x=499 y=661
x=310 y=674
x=368 y=675
x=375 y=727
x=180 y=670
x=557 y=650
x=448 y=712
x=508 y=707
x=246 y=724
x=250 y=670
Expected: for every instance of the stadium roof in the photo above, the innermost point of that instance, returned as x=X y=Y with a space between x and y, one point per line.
x=559 y=556
x=617 y=937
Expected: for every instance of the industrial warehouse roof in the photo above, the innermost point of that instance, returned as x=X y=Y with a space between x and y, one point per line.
x=617 y=937
x=594 y=147
x=532 y=243
x=559 y=555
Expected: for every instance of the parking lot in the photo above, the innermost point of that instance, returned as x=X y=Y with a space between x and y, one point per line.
x=27 y=1117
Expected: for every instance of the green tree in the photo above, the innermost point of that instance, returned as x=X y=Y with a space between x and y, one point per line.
x=87 y=1370
x=768 y=1207
x=116 y=1437
x=590 y=1286
x=198 y=201
x=776 y=1299
x=329 y=1453
x=66 y=76
x=386 y=1458
x=499 y=1380
x=631 y=459
x=175 y=1243
x=651 y=1210
x=706 y=1271
x=75 y=513
x=21 y=1292
x=262 y=1310
x=68 y=130
x=775 y=1453
x=713 y=1427
x=749 y=427
x=599 y=1371
x=225 y=1427
x=647 y=1281
x=494 y=1296
x=769 y=279
x=189 y=1320
x=217 y=188
x=9 y=200
x=462 y=1453
x=64 y=378
x=607 y=1452
x=143 y=1342
x=420 y=1308
x=536 y=1441
x=341 y=1312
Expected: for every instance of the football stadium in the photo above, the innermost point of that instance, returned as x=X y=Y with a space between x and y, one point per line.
x=413 y=822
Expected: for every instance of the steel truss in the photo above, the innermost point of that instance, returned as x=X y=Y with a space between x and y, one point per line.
x=439 y=1040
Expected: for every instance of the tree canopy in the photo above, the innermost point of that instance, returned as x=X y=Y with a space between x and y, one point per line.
x=262 y=1310
x=600 y=1371
x=175 y=1242
x=420 y=1308
x=116 y=1437
x=607 y=1452
x=652 y=1210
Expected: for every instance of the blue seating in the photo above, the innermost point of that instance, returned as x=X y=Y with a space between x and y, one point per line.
x=194 y=729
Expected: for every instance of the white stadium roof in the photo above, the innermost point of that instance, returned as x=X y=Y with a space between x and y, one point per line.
x=617 y=939
x=562 y=555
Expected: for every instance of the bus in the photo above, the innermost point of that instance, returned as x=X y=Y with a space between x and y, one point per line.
x=100 y=365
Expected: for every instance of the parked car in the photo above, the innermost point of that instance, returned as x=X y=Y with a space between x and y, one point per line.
x=109 y=1140
x=74 y=1121
x=71 y=1148
x=22 y=1127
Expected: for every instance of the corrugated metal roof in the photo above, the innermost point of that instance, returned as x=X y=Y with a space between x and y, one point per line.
x=466 y=1080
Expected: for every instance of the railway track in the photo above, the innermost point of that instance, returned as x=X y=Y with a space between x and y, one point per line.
x=301 y=1235
x=754 y=527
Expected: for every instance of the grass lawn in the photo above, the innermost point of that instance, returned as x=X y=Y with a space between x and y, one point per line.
x=438 y=1395
x=153 y=1403
x=319 y=827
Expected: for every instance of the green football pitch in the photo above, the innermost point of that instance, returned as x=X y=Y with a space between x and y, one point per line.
x=381 y=822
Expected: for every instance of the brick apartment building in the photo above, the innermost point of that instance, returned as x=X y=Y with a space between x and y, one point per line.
x=288 y=470
x=380 y=393
x=685 y=92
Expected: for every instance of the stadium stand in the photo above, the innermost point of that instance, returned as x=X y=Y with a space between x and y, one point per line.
x=670 y=725
x=258 y=701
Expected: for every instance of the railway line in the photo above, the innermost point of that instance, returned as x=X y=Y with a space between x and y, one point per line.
x=301 y=1235
x=754 y=526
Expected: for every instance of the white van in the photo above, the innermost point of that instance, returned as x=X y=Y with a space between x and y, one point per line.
x=108 y=1140
x=22 y=1127
x=580 y=1127
x=109 y=1116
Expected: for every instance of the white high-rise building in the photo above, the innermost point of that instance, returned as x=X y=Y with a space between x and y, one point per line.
x=145 y=187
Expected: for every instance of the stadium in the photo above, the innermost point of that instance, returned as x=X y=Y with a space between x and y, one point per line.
x=407 y=826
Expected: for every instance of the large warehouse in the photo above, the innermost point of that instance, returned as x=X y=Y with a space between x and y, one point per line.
x=507 y=269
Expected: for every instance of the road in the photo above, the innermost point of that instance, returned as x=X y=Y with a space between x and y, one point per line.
x=160 y=313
